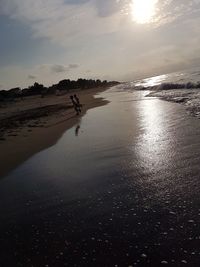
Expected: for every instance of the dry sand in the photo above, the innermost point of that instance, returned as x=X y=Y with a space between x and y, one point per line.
x=33 y=124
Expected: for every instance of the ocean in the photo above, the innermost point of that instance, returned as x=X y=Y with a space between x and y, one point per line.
x=180 y=87
x=181 y=77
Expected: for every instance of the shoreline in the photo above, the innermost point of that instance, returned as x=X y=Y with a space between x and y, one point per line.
x=22 y=142
x=188 y=98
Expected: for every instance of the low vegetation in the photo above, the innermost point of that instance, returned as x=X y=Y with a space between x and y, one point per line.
x=62 y=86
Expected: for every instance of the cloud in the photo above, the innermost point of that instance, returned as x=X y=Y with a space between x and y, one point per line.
x=46 y=74
x=169 y=11
x=58 y=68
x=62 y=22
x=73 y=66
x=61 y=68
x=32 y=77
x=88 y=71
x=108 y=8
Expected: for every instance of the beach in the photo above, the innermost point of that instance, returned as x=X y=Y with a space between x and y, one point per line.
x=112 y=180
x=122 y=189
x=34 y=123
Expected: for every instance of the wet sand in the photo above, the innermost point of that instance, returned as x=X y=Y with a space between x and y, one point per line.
x=36 y=123
x=120 y=188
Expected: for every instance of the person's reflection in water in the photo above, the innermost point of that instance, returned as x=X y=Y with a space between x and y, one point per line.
x=77 y=130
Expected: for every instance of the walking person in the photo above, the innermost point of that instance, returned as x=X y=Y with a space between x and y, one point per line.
x=75 y=105
x=78 y=102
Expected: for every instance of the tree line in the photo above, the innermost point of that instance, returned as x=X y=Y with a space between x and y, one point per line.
x=61 y=86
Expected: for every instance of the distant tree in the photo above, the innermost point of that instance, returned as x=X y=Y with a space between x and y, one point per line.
x=25 y=92
x=14 y=92
x=63 y=85
x=10 y=94
x=198 y=85
x=36 y=89
x=3 y=95
x=98 y=83
x=189 y=85
x=104 y=83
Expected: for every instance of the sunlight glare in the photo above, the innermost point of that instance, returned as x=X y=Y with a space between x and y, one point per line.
x=143 y=11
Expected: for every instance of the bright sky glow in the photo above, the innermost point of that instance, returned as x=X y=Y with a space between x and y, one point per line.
x=143 y=11
x=124 y=40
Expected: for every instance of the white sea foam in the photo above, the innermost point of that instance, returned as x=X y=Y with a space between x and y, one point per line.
x=189 y=97
x=179 y=87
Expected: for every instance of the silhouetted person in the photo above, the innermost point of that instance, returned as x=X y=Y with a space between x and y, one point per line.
x=78 y=102
x=76 y=108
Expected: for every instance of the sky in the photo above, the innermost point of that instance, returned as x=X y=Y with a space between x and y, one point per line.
x=47 y=41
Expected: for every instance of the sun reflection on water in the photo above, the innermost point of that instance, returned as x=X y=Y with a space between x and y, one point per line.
x=154 y=139
x=153 y=81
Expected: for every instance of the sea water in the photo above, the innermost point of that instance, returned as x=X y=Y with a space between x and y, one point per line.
x=181 y=87
x=191 y=75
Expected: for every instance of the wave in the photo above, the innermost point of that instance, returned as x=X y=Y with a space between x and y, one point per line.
x=180 y=87
x=170 y=86
x=187 y=94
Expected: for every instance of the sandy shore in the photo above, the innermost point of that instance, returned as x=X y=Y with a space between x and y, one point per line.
x=126 y=191
x=31 y=125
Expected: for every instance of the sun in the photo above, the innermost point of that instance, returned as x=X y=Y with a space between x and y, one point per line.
x=143 y=11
